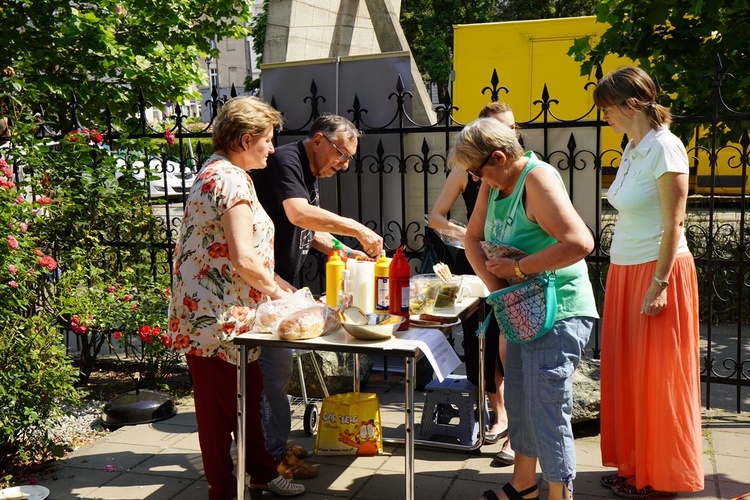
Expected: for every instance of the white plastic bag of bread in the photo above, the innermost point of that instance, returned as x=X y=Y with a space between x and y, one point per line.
x=270 y=313
x=308 y=323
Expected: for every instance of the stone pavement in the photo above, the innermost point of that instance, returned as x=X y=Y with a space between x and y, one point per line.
x=162 y=461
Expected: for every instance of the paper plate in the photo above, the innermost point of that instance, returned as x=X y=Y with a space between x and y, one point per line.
x=25 y=492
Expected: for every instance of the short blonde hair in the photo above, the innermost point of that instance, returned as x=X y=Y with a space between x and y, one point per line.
x=240 y=116
x=479 y=139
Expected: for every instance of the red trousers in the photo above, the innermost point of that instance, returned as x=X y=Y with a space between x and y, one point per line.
x=215 y=395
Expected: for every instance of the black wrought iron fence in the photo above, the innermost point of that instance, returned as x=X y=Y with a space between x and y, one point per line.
x=399 y=168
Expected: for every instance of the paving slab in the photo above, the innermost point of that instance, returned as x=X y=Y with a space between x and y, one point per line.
x=161 y=461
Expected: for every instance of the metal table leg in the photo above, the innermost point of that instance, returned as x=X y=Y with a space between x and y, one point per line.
x=409 y=425
x=356 y=372
x=241 y=410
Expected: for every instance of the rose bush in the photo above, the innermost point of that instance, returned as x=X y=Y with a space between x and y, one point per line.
x=35 y=374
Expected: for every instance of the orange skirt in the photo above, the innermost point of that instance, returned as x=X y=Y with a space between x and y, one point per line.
x=650 y=380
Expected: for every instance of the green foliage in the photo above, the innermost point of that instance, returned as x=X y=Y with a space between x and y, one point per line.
x=74 y=241
x=103 y=50
x=35 y=378
x=676 y=42
x=428 y=26
x=544 y=9
x=35 y=375
x=258 y=25
x=127 y=308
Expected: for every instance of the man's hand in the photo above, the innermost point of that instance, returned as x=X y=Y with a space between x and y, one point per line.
x=371 y=242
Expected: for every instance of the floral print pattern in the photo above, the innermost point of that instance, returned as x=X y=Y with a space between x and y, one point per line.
x=211 y=303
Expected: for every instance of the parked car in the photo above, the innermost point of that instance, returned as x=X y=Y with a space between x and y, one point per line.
x=165 y=180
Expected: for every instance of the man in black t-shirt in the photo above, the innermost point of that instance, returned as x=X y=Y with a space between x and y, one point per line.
x=288 y=190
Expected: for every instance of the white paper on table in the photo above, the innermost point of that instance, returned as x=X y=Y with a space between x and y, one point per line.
x=435 y=346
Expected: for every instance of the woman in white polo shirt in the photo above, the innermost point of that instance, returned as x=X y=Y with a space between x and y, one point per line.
x=650 y=384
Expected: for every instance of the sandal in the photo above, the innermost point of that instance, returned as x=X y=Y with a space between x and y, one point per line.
x=625 y=490
x=296 y=450
x=490 y=438
x=611 y=480
x=512 y=493
x=280 y=486
x=292 y=467
x=503 y=459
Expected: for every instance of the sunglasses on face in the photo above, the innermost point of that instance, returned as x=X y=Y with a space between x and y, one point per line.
x=477 y=174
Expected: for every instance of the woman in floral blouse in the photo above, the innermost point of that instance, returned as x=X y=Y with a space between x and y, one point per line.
x=223 y=269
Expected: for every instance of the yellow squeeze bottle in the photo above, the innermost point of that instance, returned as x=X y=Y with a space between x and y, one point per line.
x=334 y=271
x=381 y=283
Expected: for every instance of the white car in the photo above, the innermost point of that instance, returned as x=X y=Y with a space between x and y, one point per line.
x=165 y=179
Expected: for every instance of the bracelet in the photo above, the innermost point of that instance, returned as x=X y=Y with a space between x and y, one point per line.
x=349 y=252
x=517 y=267
x=276 y=289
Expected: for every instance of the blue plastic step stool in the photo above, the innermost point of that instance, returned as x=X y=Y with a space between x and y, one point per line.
x=453 y=397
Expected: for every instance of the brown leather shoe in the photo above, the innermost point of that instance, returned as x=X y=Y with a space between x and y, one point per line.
x=297 y=451
x=292 y=467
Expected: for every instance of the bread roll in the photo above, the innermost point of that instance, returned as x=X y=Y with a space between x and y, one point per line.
x=308 y=323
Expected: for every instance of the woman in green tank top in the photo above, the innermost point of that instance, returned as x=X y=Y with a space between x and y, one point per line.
x=548 y=230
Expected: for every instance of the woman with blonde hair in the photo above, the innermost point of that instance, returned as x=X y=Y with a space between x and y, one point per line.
x=459 y=183
x=223 y=269
x=549 y=232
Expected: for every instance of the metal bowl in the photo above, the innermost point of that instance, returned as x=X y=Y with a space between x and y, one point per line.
x=373 y=329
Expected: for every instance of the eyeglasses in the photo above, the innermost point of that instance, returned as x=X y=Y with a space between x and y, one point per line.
x=477 y=174
x=343 y=157
x=605 y=111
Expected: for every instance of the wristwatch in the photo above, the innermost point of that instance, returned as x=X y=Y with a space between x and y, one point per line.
x=662 y=283
x=517 y=268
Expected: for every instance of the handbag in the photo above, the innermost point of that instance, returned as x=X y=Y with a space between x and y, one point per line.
x=349 y=425
x=524 y=311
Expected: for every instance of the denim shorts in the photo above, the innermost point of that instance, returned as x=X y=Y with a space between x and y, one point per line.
x=539 y=396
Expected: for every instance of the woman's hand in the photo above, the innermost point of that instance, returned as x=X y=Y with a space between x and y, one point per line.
x=654 y=301
x=285 y=289
x=502 y=267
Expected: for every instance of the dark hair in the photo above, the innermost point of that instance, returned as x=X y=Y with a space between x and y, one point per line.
x=331 y=125
x=631 y=86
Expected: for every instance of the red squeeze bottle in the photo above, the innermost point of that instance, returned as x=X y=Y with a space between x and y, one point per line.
x=398 y=287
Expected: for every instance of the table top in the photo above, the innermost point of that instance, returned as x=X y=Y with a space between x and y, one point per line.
x=341 y=341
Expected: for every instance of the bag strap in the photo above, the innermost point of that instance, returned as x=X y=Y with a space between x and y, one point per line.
x=520 y=187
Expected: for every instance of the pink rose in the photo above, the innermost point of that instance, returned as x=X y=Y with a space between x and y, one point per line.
x=13 y=284
x=13 y=269
x=110 y=289
x=12 y=242
x=19 y=200
x=169 y=136
x=44 y=200
x=24 y=227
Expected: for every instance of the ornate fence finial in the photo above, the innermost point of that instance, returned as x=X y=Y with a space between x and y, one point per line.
x=495 y=90
x=74 y=107
x=314 y=99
